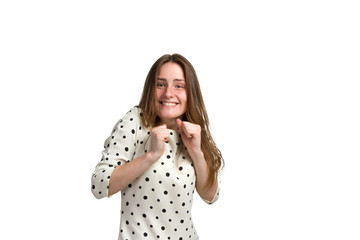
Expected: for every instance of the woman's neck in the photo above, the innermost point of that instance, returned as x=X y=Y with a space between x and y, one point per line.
x=170 y=124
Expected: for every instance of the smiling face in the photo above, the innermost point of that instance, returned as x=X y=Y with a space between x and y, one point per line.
x=171 y=93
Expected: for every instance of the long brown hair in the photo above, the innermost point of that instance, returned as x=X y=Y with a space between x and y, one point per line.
x=195 y=109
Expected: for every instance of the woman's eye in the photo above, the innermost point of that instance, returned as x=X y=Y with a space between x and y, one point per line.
x=179 y=86
x=160 y=85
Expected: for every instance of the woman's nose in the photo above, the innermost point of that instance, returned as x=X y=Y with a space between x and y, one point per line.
x=169 y=92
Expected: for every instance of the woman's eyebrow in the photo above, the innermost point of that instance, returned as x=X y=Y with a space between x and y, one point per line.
x=176 y=79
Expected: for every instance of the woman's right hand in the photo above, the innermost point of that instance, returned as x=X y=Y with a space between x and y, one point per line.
x=159 y=135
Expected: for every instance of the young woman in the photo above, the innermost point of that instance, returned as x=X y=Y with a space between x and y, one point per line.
x=158 y=153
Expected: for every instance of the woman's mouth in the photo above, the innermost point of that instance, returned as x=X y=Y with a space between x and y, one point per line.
x=168 y=103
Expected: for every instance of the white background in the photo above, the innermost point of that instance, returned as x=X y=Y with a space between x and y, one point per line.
x=280 y=81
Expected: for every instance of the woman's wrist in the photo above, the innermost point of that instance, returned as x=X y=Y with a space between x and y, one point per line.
x=152 y=157
x=196 y=154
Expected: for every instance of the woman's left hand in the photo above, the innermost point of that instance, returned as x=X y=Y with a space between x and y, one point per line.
x=191 y=135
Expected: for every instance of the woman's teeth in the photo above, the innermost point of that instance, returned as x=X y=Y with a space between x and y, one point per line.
x=168 y=104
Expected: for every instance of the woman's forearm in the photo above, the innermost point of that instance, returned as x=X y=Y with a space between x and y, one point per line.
x=202 y=174
x=125 y=174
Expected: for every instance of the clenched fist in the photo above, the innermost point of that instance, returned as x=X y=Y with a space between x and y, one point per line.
x=159 y=135
x=190 y=134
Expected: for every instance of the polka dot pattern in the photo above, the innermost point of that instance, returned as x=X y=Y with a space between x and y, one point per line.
x=157 y=205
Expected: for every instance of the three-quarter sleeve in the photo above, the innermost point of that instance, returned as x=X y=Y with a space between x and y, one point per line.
x=215 y=198
x=119 y=148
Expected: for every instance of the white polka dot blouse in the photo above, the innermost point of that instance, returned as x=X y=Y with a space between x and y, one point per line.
x=157 y=205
